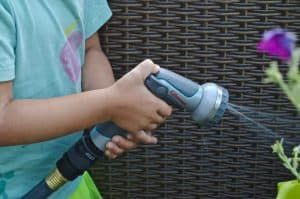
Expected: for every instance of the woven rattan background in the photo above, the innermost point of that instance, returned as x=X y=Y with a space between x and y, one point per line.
x=205 y=40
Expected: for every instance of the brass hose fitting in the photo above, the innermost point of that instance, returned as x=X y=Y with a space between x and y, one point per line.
x=55 y=180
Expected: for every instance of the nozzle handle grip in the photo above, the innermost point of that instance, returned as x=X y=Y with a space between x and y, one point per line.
x=85 y=152
x=103 y=133
x=174 y=89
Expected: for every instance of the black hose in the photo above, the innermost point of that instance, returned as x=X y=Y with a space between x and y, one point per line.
x=81 y=156
x=40 y=191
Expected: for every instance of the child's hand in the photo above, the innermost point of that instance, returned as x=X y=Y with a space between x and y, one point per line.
x=134 y=107
x=119 y=144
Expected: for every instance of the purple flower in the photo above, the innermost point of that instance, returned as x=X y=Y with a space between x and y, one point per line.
x=278 y=42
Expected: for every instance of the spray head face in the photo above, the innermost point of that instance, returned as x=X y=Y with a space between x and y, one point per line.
x=213 y=103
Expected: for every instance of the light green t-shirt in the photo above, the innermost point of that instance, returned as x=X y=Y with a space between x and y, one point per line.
x=42 y=46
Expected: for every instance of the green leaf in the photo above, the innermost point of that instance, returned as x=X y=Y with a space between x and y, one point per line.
x=277 y=147
x=288 y=190
x=273 y=74
x=295 y=61
x=290 y=163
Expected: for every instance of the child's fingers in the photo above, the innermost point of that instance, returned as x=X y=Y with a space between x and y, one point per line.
x=109 y=154
x=147 y=67
x=167 y=111
x=120 y=144
x=145 y=138
x=123 y=143
x=113 y=150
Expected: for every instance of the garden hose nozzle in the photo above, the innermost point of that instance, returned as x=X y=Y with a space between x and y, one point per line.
x=206 y=103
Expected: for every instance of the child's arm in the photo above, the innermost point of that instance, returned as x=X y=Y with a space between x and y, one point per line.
x=28 y=121
x=97 y=71
x=97 y=74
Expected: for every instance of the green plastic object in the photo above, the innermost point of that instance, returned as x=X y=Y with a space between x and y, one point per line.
x=289 y=190
x=86 y=189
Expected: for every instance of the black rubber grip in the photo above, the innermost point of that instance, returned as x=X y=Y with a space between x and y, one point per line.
x=109 y=129
x=81 y=156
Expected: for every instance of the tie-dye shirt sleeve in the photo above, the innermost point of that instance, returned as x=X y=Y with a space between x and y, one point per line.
x=97 y=12
x=7 y=43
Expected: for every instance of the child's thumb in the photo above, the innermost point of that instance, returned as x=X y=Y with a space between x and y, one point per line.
x=147 y=67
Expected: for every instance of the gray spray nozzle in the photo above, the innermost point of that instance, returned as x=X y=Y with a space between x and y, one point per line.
x=212 y=105
x=206 y=103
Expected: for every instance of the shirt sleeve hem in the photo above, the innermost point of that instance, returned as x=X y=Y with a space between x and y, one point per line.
x=7 y=74
x=99 y=23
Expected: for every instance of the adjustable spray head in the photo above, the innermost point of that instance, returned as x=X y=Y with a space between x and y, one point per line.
x=207 y=103
x=212 y=105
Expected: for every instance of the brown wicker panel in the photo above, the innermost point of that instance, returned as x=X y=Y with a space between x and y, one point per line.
x=204 y=40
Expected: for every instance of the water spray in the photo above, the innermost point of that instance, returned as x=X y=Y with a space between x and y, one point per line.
x=206 y=103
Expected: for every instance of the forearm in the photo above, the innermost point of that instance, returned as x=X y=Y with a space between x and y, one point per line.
x=97 y=72
x=28 y=121
x=40 y=120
